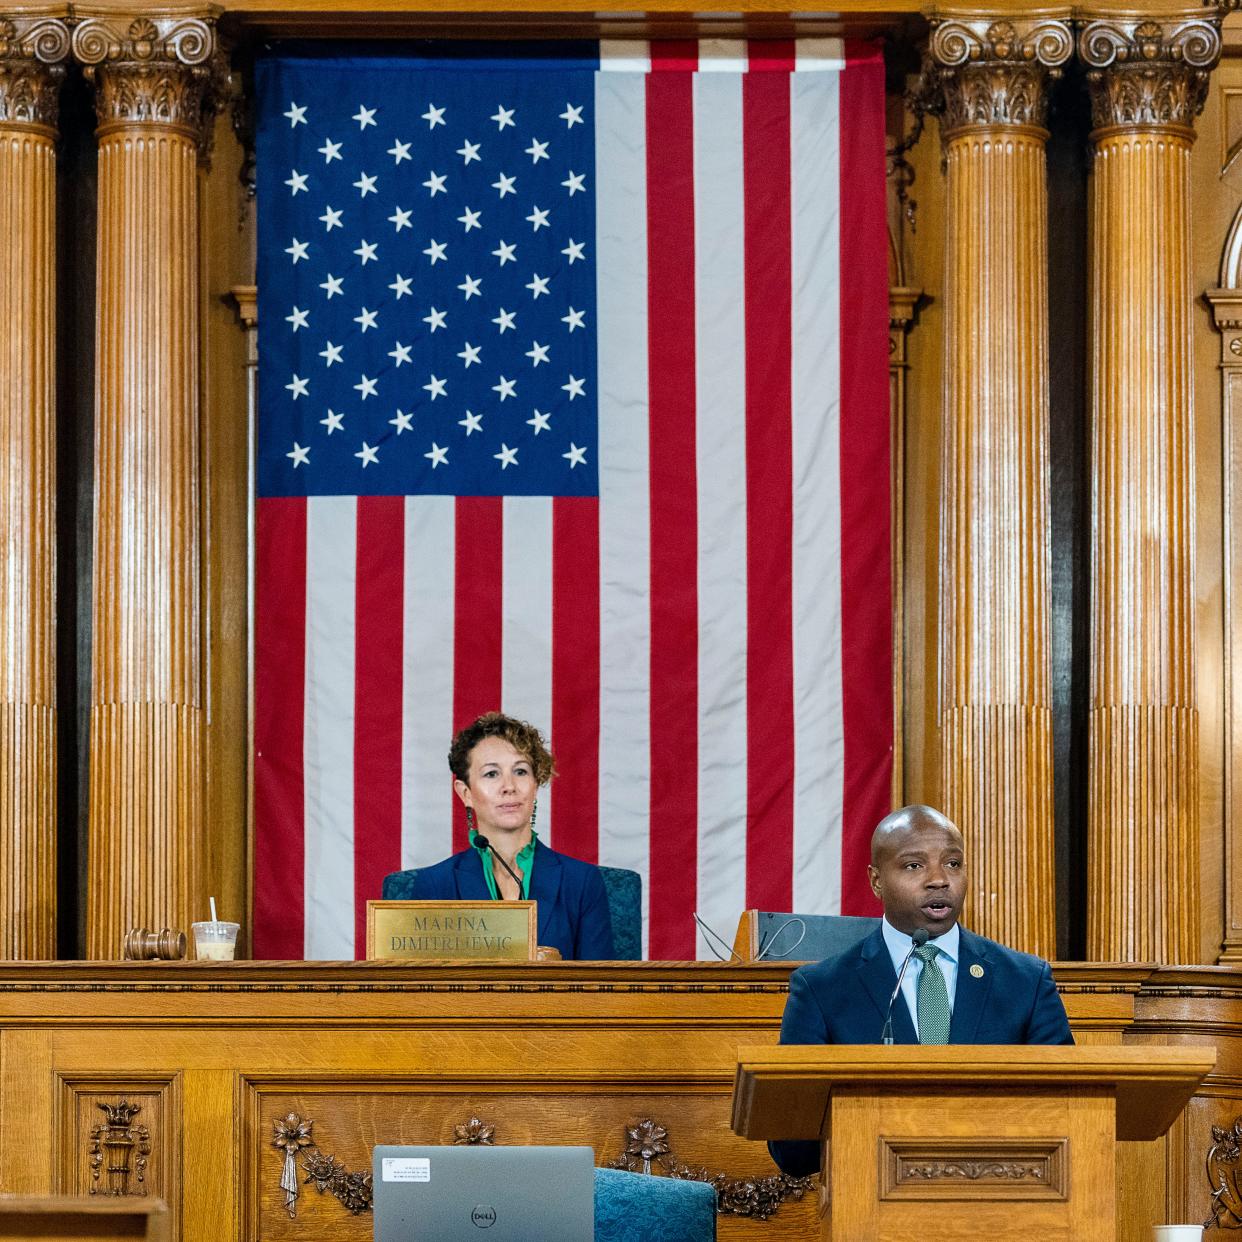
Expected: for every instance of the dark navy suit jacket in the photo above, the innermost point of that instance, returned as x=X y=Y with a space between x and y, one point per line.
x=572 y=907
x=1011 y=999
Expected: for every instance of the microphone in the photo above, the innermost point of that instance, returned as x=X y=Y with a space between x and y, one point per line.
x=484 y=844
x=918 y=940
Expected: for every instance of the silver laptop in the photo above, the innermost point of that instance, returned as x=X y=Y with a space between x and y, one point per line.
x=484 y=1194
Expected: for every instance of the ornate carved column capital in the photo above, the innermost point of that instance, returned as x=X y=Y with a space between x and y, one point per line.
x=995 y=70
x=33 y=49
x=164 y=68
x=1148 y=71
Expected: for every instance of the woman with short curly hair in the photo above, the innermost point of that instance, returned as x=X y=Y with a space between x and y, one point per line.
x=520 y=735
x=499 y=765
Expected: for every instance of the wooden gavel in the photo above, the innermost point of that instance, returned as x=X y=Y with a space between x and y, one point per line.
x=141 y=945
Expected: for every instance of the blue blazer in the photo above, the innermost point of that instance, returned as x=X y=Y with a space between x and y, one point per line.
x=1010 y=1000
x=573 y=907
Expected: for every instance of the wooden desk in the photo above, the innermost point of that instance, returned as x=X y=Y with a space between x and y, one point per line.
x=215 y=1054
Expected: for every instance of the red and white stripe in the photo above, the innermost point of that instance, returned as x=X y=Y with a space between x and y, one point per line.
x=708 y=644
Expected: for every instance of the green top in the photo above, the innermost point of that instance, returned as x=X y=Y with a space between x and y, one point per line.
x=525 y=861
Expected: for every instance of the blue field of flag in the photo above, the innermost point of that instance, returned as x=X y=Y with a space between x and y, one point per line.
x=427 y=278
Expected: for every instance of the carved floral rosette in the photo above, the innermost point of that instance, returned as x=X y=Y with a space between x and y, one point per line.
x=648 y=1144
x=1148 y=73
x=165 y=70
x=32 y=55
x=993 y=73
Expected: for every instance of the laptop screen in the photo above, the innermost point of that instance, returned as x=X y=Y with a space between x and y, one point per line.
x=492 y=1194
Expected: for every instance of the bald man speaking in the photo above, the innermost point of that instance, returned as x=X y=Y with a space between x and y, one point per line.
x=958 y=988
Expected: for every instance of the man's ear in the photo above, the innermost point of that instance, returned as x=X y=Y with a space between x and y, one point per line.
x=874 y=876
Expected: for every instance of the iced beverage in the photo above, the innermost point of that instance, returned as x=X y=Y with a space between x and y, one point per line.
x=215 y=942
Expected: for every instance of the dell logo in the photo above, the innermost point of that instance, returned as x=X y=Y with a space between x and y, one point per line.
x=483 y=1216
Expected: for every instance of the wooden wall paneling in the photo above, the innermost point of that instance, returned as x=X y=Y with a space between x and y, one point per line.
x=211 y=1145
x=540 y=19
x=246 y=300
x=33 y=48
x=145 y=861
x=902 y=301
x=1217 y=200
x=545 y=1106
x=1148 y=77
x=1181 y=1202
x=994 y=672
x=27 y=1158
x=1142 y=1191
x=1194 y=1005
x=1216 y=193
x=148 y=1136
x=1101 y=1002
x=1226 y=303
x=226 y=256
x=923 y=268
x=1214 y=1113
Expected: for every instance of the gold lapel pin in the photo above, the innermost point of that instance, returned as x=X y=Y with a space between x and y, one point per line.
x=977 y=971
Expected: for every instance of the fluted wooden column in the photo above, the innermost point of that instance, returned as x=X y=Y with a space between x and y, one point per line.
x=31 y=52
x=1148 y=79
x=146 y=848
x=995 y=700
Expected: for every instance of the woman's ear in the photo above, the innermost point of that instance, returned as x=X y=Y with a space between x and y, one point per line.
x=463 y=792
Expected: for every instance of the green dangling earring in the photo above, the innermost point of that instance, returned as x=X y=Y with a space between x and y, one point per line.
x=534 y=810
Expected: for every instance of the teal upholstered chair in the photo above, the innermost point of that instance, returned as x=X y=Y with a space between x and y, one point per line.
x=399 y=885
x=808 y=937
x=625 y=905
x=656 y=1209
x=625 y=908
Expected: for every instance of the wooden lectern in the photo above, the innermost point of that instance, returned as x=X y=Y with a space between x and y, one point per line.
x=960 y=1143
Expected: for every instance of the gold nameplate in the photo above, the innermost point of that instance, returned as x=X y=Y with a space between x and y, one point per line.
x=420 y=930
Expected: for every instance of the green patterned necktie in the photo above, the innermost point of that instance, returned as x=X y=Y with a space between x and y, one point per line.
x=933 y=998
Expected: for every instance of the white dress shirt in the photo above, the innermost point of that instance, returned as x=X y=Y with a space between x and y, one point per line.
x=899 y=943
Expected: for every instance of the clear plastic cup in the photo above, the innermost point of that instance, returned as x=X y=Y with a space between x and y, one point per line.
x=215 y=942
x=1177 y=1233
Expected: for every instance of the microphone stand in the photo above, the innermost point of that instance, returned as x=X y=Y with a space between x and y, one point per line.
x=918 y=940
x=483 y=843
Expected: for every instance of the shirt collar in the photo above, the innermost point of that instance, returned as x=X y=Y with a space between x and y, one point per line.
x=949 y=943
x=525 y=860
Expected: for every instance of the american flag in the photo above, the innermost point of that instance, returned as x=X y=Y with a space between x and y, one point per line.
x=573 y=402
